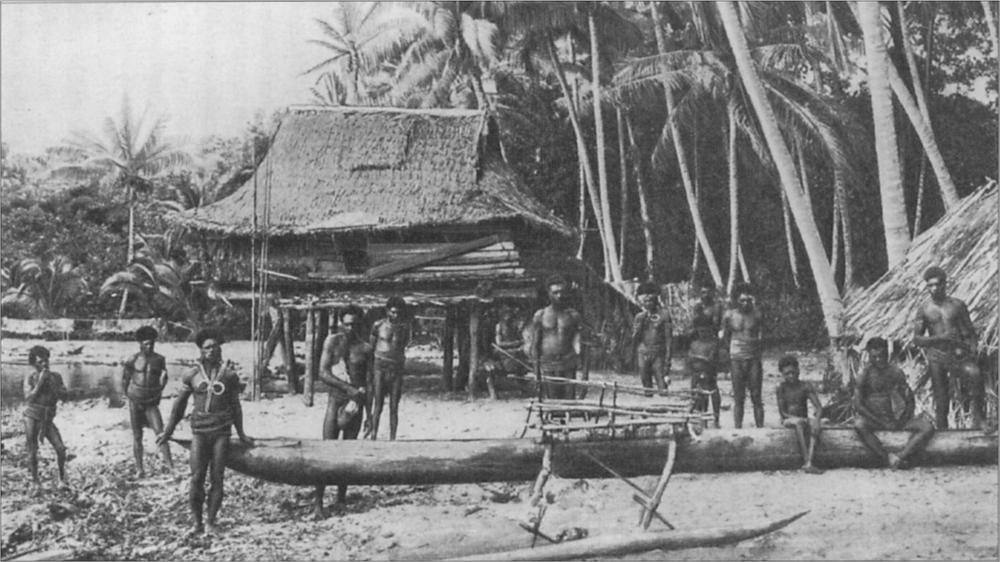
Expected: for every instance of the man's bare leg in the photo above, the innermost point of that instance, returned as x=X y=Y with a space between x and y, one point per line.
x=216 y=474
x=136 y=418
x=921 y=432
x=330 y=431
x=756 y=382
x=200 y=457
x=739 y=371
x=155 y=422
x=865 y=431
x=396 y=392
x=31 y=430
x=52 y=434
x=814 y=427
x=378 y=400
x=941 y=391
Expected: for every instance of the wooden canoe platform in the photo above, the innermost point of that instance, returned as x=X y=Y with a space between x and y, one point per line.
x=307 y=462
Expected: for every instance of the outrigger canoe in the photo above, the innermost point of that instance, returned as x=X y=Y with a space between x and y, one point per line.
x=308 y=462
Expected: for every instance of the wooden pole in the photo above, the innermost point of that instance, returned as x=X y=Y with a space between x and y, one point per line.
x=462 y=343
x=322 y=330
x=448 y=343
x=473 y=348
x=288 y=347
x=312 y=368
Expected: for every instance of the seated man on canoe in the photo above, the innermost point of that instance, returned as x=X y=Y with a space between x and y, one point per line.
x=794 y=396
x=884 y=401
x=702 y=361
x=42 y=391
x=652 y=336
x=389 y=339
x=555 y=339
x=216 y=390
x=344 y=367
x=144 y=375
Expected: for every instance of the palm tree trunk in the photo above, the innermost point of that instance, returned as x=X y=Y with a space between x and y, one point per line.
x=826 y=286
x=697 y=201
x=845 y=230
x=583 y=223
x=623 y=177
x=918 y=212
x=699 y=227
x=894 y=221
x=744 y=270
x=804 y=173
x=602 y=162
x=640 y=187
x=581 y=148
x=994 y=38
x=790 y=239
x=734 y=204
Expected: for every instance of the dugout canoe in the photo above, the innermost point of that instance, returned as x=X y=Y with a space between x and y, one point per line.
x=306 y=462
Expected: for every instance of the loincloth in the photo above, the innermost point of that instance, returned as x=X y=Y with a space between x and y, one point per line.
x=948 y=359
x=40 y=413
x=211 y=423
x=743 y=349
x=389 y=369
x=566 y=363
x=704 y=381
x=144 y=395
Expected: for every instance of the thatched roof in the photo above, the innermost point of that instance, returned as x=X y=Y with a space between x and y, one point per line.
x=349 y=168
x=964 y=244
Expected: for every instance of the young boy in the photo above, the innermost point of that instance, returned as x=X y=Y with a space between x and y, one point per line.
x=793 y=407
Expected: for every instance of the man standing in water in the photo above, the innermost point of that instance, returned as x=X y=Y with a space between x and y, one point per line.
x=555 y=342
x=216 y=390
x=742 y=326
x=348 y=397
x=42 y=390
x=949 y=344
x=874 y=393
x=794 y=397
x=144 y=375
x=389 y=339
x=652 y=335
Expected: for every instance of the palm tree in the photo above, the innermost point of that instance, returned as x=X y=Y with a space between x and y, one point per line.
x=42 y=289
x=894 y=222
x=127 y=154
x=822 y=273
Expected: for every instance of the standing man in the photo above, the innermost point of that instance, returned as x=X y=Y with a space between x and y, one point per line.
x=742 y=326
x=876 y=391
x=949 y=344
x=708 y=308
x=652 y=335
x=794 y=397
x=702 y=361
x=555 y=340
x=216 y=390
x=389 y=339
x=144 y=375
x=348 y=397
x=42 y=391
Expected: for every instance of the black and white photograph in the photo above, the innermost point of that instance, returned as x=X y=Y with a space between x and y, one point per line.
x=499 y=280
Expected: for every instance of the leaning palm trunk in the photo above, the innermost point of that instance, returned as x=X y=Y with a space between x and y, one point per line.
x=844 y=211
x=734 y=204
x=826 y=286
x=602 y=162
x=790 y=238
x=994 y=38
x=894 y=222
x=640 y=188
x=581 y=149
x=623 y=182
x=682 y=164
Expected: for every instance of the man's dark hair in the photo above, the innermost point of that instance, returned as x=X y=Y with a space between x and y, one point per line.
x=742 y=289
x=208 y=334
x=35 y=352
x=146 y=333
x=353 y=310
x=556 y=279
x=877 y=343
x=395 y=302
x=788 y=361
x=935 y=272
x=648 y=289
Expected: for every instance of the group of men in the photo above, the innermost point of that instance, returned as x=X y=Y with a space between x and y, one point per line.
x=361 y=372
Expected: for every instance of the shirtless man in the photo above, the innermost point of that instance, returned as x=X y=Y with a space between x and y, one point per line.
x=874 y=410
x=144 y=375
x=42 y=390
x=742 y=327
x=556 y=340
x=389 y=339
x=216 y=390
x=794 y=397
x=509 y=340
x=708 y=308
x=652 y=335
x=701 y=364
x=348 y=396
x=949 y=344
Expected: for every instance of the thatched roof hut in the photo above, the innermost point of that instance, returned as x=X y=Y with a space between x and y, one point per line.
x=346 y=168
x=964 y=244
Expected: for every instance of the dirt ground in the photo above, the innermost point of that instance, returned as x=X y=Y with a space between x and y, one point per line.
x=930 y=513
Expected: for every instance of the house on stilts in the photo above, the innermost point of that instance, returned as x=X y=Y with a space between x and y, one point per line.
x=354 y=204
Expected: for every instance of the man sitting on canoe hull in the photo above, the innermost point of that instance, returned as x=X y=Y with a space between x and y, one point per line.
x=347 y=392
x=794 y=397
x=874 y=407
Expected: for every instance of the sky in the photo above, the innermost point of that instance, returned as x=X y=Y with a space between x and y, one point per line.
x=209 y=66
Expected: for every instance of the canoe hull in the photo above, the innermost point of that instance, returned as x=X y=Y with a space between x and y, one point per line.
x=311 y=461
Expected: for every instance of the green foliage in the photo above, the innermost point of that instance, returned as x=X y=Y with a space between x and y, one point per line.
x=42 y=288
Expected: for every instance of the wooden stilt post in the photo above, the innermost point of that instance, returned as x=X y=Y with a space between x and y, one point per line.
x=473 y=348
x=312 y=368
x=462 y=343
x=448 y=343
x=288 y=346
x=322 y=330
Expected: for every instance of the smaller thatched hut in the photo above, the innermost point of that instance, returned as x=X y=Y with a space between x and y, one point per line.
x=964 y=244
